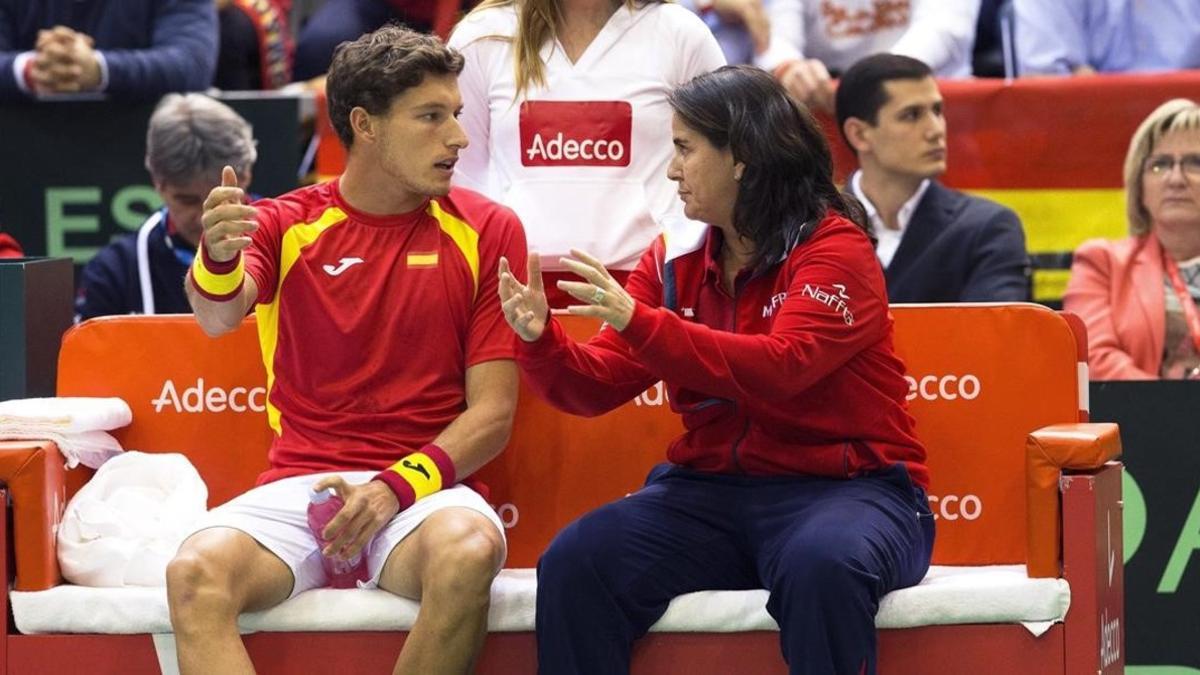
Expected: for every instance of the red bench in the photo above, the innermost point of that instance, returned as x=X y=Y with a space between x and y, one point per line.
x=999 y=392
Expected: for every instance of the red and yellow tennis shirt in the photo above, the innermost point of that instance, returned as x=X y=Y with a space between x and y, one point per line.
x=368 y=324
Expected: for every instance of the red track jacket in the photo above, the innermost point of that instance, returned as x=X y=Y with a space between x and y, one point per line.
x=795 y=373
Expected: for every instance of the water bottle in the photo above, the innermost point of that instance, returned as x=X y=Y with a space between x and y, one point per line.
x=323 y=505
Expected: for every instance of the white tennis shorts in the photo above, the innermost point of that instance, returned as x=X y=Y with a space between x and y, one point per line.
x=276 y=516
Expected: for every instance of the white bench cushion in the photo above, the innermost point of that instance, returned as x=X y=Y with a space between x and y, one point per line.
x=947 y=595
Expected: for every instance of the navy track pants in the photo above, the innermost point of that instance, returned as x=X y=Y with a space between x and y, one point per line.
x=826 y=550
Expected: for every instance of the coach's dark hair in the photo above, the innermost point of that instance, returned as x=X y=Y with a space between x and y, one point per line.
x=860 y=92
x=787 y=185
x=373 y=70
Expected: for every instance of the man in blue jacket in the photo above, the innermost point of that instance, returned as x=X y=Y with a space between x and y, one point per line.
x=935 y=244
x=126 y=48
x=191 y=137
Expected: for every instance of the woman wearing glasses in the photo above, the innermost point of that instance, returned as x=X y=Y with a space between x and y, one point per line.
x=1138 y=295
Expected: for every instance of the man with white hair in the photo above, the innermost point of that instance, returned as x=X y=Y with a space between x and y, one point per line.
x=190 y=138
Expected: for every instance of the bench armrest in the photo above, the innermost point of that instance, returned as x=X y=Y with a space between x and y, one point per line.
x=1048 y=452
x=35 y=476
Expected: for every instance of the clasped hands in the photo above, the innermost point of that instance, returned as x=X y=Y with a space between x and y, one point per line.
x=65 y=62
x=525 y=307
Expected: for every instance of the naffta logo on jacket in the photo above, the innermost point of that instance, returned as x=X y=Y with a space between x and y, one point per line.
x=576 y=133
x=834 y=298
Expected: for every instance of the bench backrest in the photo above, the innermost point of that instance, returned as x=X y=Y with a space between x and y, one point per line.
x=982 y=378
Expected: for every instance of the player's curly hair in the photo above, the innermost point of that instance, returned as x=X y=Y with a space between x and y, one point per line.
x=373 y=70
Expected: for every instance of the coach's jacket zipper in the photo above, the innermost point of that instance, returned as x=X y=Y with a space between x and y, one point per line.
x=737 y=464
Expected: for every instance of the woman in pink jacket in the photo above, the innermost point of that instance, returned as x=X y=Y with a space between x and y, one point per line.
x=1138 y=295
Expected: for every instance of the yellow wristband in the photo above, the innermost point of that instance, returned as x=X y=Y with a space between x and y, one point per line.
x=421 y=472
x=217 y=285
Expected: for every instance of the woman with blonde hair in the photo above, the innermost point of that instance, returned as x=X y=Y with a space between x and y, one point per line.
x=1138 y=295
x=565 y=105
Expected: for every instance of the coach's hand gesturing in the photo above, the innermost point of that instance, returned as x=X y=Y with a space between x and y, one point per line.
x=525 y=307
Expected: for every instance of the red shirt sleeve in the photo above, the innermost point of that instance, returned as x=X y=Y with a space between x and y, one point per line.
x=489 y=336
x=593 y=378
x=262 y=256
x=810 y=338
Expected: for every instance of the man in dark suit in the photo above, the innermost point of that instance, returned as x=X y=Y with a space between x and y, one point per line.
x=935 y=244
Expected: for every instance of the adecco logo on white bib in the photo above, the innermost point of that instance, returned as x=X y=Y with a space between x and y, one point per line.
x=943 y=387
x=197 y=399
x=556 y=150
x=576 y=133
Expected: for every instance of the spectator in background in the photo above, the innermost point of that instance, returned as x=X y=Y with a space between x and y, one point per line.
x=740 y=26
x=565 y=103
x=1084 y=37
x=935 y=244
x=256 y=44
x=189 y=140
x=992 y=54
x=810 y=39
x=9 y=248
x=126 y=48
x=337 y=21
x=1138 y=295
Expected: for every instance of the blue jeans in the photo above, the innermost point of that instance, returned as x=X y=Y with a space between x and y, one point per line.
x=826 y=550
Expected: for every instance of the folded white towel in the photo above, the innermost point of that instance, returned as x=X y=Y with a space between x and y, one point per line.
x=66 y=414
x=77 y=425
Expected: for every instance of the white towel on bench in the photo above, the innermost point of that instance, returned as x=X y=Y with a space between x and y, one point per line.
x=78 y=426
x=948 y=595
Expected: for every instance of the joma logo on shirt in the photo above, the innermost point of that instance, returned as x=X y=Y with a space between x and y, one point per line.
x=834 y=299
x=343 y=265
x=576 y=133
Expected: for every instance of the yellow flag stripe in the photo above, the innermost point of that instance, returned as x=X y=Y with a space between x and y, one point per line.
x=422 y=259
x=1049 y=285
x=1059 y=220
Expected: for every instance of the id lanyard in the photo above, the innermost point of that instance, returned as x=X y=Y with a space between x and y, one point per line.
x=158 y=219
x=1185 y=299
